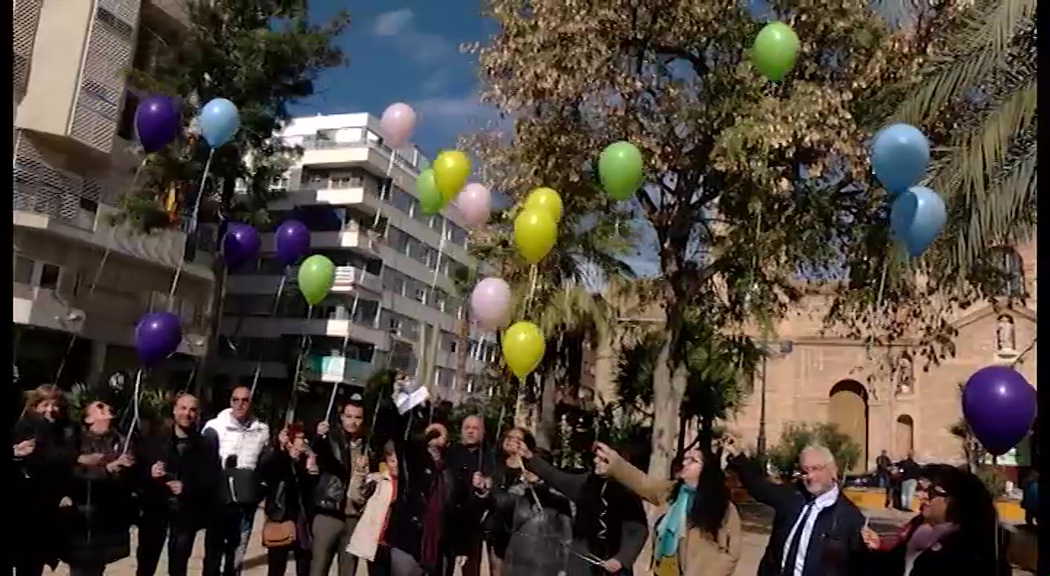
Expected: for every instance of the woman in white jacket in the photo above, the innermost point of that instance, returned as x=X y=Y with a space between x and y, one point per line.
x=380 y=489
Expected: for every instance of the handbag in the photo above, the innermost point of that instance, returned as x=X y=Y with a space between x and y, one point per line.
x=278 y=534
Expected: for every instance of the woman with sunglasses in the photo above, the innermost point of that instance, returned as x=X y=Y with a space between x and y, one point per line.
x=956 y=532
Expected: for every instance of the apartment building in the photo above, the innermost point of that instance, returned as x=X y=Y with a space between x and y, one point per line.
x=73 y=157
x=397 y=297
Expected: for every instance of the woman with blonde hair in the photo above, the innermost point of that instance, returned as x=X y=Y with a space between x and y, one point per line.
x=698 y=533
x=44 y=455
x=379 y=491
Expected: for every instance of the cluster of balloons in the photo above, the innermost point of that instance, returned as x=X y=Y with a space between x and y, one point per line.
x=158 y=123
x=899 y=156
x=1000 y=407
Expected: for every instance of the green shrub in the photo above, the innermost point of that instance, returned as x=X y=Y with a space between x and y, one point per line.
x=797 y=435
x=993 y=480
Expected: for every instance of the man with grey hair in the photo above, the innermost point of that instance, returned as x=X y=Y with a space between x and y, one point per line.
x=816 y=530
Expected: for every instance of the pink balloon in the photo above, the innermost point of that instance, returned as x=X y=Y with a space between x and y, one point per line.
x=475 y=203
x=490 y=303
x=397 y=124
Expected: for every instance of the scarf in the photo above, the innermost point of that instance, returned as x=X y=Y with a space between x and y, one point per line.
x=927 y=535
x=431 y=549
x=667 y=529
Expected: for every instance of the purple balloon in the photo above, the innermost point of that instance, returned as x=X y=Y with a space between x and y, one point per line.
x=157 y=336
x=291 y=242
x=157 y=122
x=240 y=245
x=999 y=405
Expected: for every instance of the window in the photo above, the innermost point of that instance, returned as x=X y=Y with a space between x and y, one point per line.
x=24 y=270
x=126 y=127
x=1011 y=270
x=421 y=295
x=49 y=276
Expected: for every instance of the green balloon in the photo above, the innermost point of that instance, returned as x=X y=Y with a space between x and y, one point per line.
x=775 y=50
x=430 y=200
x=316 y=275
x=620 y=168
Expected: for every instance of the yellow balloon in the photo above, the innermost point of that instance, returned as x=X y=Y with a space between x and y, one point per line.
x=523 y=347
x=545 y=199
x=451 y=169
x=535 y=233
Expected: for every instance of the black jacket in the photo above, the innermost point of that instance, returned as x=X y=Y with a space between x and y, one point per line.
x=286 y=486
x=956 y=553
x=418 y=478
x=192 y=460
x=103 y=509
x=610 y=520
x=465 y=509
x=335 y=457
x=835 y=547
x=39 y=482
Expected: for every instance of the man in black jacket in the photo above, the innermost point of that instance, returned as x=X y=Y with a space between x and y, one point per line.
x=465 y=536
x=182 y=469
x=343 y=462
x=816 y=530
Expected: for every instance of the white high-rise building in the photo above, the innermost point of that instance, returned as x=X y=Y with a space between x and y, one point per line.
x=395 y=299
x=73 y=158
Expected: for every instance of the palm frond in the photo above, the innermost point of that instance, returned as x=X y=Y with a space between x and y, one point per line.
x=966 y=62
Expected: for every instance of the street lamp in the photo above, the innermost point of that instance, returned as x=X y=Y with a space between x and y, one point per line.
x=783 y=347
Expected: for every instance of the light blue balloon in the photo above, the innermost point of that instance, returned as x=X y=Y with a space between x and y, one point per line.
x=916 y=218
x=219 y=121
x=899 y=157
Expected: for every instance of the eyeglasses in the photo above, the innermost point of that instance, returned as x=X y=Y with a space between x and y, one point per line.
x=932 y=491
x=812 y=469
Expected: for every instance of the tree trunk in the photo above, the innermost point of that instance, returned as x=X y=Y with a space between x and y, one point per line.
x=547 y=427
x=669 y=383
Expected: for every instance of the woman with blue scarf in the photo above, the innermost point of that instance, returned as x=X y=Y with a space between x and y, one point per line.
x=699 y=531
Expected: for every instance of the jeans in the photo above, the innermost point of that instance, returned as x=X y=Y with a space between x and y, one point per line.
x=154 y=529
x=330 y=536
x=277 y=560
x=226 y=540
x=908 y=493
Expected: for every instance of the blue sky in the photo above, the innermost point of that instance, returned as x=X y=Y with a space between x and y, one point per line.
x=406 y=51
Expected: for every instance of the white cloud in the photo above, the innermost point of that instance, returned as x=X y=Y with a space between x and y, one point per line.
x=422 y=47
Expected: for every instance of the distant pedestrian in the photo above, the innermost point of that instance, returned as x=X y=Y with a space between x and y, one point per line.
x=241 y=439
x=956 y=531
x=909 y=472
x=1030 y=499
x=882 y=471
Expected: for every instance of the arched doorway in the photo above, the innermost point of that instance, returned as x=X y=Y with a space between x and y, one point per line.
x=905 y=432
x=849 y=410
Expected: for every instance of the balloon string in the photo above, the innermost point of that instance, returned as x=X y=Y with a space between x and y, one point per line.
x=878 y=300
x=346 y=342
x=98 y=272
x=304 y=342
x=534 y=277
x=273 y=312
x=135 y=411
x=192 y=229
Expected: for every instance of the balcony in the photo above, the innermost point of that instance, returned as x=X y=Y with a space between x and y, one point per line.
x=277 y=327
x=322 y=152
x=336 y=369
x=365 y=197
x=106 y=316
x=347 y=280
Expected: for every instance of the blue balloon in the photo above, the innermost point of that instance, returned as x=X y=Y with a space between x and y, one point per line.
x=899 y=157
x=916 y=218
x=219 y=121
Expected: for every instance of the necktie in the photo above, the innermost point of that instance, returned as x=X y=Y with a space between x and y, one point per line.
x=796 y=541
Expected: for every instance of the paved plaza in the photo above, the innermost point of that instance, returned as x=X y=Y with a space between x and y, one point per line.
x=755 y=520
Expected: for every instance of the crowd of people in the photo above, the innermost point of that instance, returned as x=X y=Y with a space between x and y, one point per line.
x=405 y=500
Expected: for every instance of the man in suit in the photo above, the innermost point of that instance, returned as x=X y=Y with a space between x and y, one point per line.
x=816 y=530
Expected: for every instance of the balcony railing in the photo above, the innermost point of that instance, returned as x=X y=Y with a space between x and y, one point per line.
x=399 y=159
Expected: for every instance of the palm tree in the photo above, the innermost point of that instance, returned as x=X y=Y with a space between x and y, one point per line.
x=977 y=101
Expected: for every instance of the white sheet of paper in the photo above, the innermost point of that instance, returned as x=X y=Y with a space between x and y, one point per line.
x=406 y=401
